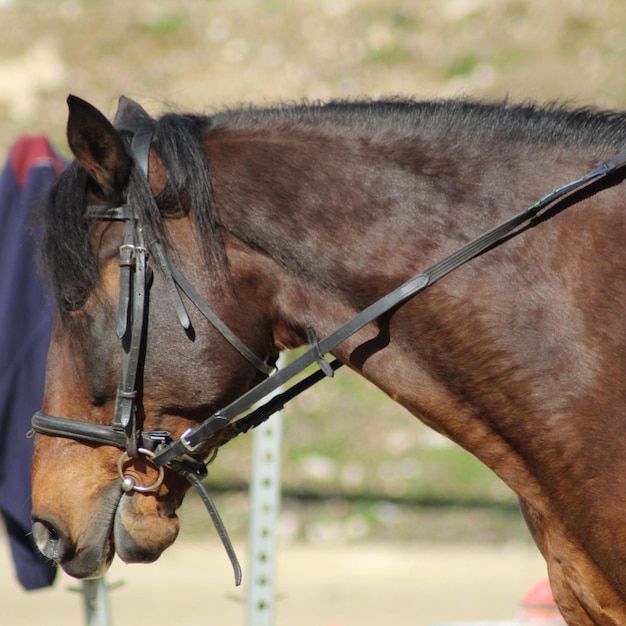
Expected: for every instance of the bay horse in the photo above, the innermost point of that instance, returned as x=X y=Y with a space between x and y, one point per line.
x=269 y=228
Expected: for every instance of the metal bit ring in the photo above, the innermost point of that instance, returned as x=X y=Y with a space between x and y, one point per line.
x=129 y=483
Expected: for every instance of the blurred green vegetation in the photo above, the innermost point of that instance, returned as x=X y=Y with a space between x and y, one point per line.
x=165 y=24
x=201 y=55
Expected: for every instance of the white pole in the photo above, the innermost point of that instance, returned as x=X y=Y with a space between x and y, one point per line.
x=265 y=491
x=96 y=602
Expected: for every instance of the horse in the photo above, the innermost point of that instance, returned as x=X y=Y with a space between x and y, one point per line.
x=271 y=227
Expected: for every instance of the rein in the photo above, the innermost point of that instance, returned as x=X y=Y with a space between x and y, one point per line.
x=194 y=438
x=135 y=275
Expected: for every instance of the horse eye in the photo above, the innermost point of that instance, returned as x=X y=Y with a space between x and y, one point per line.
x=72 y=302
x=71 y=306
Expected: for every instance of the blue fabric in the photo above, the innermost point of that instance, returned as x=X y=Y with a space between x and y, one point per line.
x=25 y=325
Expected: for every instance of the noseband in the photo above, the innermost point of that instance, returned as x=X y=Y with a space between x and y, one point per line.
x=135 y=276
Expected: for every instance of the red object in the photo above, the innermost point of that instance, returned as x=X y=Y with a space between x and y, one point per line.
x=538 y=603
x=33 y=151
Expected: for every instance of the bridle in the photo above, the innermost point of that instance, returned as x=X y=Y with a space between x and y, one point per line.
x=135 y=276
x=135 y=280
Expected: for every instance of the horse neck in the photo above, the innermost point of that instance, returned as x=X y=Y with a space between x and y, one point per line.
x=515 y=356
x=345 y=221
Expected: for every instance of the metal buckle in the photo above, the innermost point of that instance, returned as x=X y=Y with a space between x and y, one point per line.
x=189 y=447
x=127 y=255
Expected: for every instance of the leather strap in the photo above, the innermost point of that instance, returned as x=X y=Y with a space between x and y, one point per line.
x=95 y=433
x=133 y=294
x=126 y=263
x=166 y=271
x=215 y=320
x=140 y=147
x=195 y=478
x=132 y=343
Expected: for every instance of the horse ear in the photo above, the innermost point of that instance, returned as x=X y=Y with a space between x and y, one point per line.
x=97 y=146
x=131 y=116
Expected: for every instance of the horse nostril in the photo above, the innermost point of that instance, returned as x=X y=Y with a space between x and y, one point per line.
x=52 y=542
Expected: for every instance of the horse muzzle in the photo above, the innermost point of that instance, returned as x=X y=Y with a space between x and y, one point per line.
x=88 y=557
x=134 y=525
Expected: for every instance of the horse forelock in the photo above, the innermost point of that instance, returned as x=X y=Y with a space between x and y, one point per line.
x=68 y=261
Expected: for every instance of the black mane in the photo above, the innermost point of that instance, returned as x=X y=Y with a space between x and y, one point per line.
x=513 y=122
x=69 y=262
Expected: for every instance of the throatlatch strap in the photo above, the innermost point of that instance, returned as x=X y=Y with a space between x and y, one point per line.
x=216 y=321
x=166 y=271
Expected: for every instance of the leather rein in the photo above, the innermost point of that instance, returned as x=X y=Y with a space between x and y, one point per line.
x=135 y=276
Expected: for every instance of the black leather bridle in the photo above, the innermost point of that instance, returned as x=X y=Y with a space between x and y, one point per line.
x=135 y=273
x=135 y=278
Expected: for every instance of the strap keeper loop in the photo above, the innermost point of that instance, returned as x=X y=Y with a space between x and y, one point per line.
x=127 y=255
x=323 y=364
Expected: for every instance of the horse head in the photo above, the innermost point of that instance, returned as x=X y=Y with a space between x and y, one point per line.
x=81 y=513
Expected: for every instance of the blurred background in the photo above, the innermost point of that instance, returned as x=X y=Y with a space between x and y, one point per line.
x=357 y=468
x=206 y=54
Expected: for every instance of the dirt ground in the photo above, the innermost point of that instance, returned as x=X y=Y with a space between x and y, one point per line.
x=326 y=584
